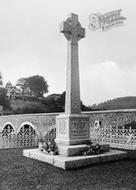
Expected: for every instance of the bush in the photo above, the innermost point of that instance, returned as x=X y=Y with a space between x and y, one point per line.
x=33 y=108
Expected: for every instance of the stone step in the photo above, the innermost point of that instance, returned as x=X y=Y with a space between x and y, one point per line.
x=75 y=150
x=66 y=163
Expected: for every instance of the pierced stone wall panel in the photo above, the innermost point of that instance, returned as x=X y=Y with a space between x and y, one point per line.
x=117 y=128
x=27 y=137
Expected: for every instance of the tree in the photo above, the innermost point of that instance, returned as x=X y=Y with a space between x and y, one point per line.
x=21 y=83
x=61 y=103
x=56 y=103
x=8 y=87
x=4 y=101
x=52 y=103
x=1 y=80
x=35 y=85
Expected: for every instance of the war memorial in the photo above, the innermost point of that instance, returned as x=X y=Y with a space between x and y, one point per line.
x=72 y=127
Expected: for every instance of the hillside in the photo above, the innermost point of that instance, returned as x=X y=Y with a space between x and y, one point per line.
x=27 y=106
x=20 y=106
x=117 y=103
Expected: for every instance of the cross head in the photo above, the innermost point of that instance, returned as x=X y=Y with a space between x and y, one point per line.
x=72 y=29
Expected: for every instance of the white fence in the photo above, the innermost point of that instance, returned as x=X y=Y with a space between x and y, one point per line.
x=118 y=137
x=26 y=137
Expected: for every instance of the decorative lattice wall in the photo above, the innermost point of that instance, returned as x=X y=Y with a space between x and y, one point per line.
x=26 y=137
x=118 y=128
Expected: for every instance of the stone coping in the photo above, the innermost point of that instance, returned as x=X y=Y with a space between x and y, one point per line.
x=83 y=112
x=110 y=111
x=34 y=114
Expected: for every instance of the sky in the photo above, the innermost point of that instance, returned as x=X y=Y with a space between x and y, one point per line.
x=31 y=44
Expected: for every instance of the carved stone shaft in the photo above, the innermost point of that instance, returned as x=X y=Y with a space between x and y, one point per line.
x=72 y=104
x=73 y=32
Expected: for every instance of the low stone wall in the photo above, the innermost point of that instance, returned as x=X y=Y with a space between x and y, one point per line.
x=116 y=127
x=112 y=117
x=24 y=130
x=40 y=122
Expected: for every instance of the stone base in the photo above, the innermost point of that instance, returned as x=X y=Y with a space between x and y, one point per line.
x=75 y=150
x=75 y=161
x=72 y=129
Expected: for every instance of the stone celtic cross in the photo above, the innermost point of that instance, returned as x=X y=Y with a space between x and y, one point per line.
x=73 y=32
x=72 y=29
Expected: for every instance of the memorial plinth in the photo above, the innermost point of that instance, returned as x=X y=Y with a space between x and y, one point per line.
x=72 y=129
x=72 y=133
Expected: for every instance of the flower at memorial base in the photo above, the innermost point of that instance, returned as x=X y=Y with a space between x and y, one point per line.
x=50 y=147
x=85 y=153
x=48 y=143
x=51 y=153
x=41 y=141
x=93 y=149
x=45 y=151
x=55 y=152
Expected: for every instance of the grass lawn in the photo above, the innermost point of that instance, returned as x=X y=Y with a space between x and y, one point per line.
x=20 y=173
